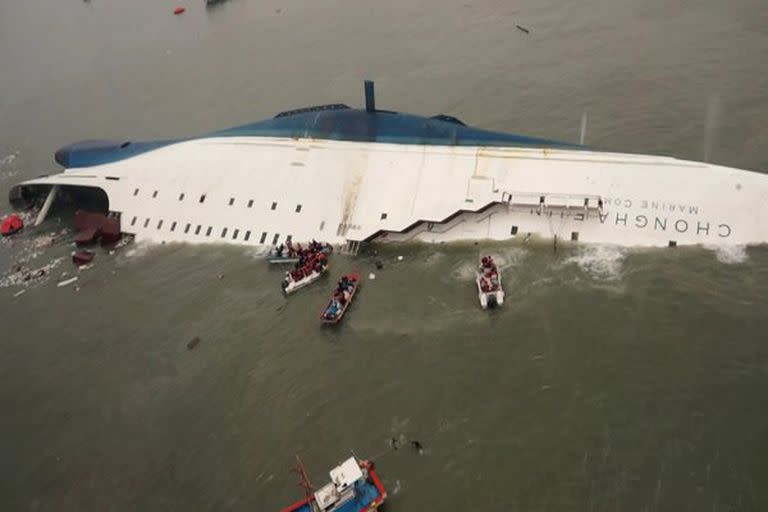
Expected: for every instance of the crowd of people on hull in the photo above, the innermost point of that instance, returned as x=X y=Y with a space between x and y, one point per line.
x=489 y=275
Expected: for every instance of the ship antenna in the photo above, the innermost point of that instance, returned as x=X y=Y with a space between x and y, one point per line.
x=370 y=97
x=304 y=482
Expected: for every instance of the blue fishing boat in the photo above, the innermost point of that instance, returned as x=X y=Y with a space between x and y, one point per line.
x=354 y=487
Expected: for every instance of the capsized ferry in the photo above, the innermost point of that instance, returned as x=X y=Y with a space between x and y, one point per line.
x=349 y=176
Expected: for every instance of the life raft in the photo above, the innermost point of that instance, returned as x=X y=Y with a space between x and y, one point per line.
x=11 y=225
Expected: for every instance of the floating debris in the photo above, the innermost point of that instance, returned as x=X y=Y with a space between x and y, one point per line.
x=379 y=265
x=417 y=446
x=399 y=258
x=371 y=276
x=83 y=257
x=67 y=281
x=20 y=292
x=523 y=29
x=394 y=443
x=179 y=10
x=194 y=342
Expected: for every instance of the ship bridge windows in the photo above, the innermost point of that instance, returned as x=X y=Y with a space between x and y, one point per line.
x=574 y=236
x=133 y=221
x=383 y=216
x=231 y=201
x=513 y=231
x=186 y=229
x=223 y=232
x=173 y=226
x=208 y=231
x=146 y=222
x=197 y=229
x=235 y=233
x=263 y=237
x=154 y=194
x=274 y=206
x=160 y=224
x=322 y=225
x=298 y=208
x=275 y=238
x=136 y=192
x=250 y=203
x=202 y=198
x=181 y=196
x=247 y=236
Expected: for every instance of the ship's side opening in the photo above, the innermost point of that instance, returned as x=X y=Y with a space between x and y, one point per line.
x=68 y=199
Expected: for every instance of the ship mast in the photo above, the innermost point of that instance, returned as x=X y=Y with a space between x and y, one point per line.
x=304 y=482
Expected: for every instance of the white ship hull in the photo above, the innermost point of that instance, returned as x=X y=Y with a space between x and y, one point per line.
x=348 y=191
x=346 y=176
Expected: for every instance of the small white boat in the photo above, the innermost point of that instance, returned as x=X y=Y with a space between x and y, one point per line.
x=291 y=285
x=488 y=279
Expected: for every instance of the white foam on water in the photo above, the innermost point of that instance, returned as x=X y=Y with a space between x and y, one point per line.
x=7 y=169
x=258 y=253
x=600 y=262
x=509 y=258
x=465 y=271
x=137 y=250
x=731 y=254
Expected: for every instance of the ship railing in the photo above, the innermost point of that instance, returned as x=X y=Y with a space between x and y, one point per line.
x=542 y=201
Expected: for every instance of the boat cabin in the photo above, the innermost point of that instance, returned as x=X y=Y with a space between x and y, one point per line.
x=334 y=495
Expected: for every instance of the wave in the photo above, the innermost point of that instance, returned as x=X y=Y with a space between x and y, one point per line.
x=600 y=262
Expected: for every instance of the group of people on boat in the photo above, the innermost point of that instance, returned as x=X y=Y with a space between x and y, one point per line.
x=489 y=278
x=288 y=250
x=310 y=260
x=340 y=298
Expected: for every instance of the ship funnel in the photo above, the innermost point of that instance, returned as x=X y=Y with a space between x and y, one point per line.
x=370 y=97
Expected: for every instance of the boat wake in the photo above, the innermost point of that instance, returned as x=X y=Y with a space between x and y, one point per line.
x=600 y=262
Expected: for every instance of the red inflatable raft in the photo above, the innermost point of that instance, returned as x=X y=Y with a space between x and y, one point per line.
x=11 y=225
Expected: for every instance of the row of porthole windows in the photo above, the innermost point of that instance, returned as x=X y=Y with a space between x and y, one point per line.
x=209 y=230
x=231 y=200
